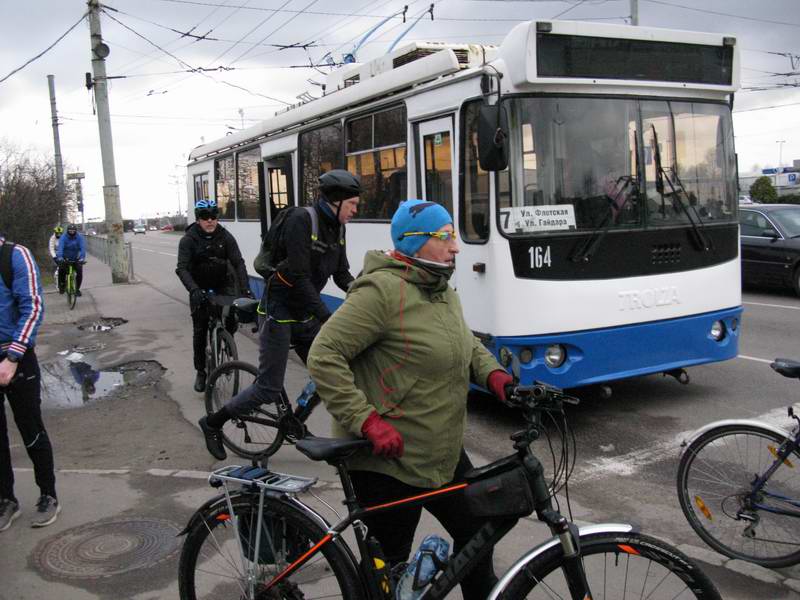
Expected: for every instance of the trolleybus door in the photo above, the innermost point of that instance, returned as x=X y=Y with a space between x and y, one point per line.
x=277 y=174
x=437 y=181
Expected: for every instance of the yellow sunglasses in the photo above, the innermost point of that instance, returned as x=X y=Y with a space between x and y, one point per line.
x=445 y=236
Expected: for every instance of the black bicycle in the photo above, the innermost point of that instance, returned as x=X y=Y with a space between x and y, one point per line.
x=221 y=347
x=259 y=540
x=261 y=432
x=739 y=486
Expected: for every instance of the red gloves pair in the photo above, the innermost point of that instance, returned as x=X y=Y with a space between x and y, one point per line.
x=497 y=382
x=386 y=440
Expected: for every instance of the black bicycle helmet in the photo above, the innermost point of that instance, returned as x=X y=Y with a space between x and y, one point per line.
x=338 y=185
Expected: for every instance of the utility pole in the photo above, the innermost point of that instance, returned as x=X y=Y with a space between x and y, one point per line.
x=634 y=12
x=57 y=145
x=115 y=239
x=78 y=177
x=780 y=152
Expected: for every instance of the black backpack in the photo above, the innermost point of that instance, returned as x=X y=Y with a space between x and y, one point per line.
x=264 y=263
x=6 y=269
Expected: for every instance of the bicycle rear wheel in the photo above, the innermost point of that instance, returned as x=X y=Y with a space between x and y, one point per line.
x=219 y=552
x=715 y=479
x=629 y=565
x=254 y=434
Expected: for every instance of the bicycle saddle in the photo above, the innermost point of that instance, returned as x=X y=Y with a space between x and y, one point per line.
x=786 y=367
x=329 y=449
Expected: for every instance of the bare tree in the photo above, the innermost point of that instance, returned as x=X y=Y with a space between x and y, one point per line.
x=29 y=203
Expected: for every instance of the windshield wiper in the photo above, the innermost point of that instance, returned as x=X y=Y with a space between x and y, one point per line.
x=702 y=241
x=586 y=250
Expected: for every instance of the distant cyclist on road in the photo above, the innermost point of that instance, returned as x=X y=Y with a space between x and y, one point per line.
x=294 y=309
x=209 y=260
x=71 y=247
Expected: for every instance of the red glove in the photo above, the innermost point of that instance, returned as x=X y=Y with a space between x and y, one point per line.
x=497 y=382
x=386 y=441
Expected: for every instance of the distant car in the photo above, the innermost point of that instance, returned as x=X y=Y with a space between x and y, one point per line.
x=139 y=229
x=167 y=227
x=745 y=199
x=153 y=228
x=91 y=232
x=770 y=238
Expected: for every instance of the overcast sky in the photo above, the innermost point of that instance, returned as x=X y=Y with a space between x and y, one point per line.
x=159 y=112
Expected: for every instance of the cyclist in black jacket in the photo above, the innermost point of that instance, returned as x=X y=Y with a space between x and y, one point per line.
x=294 y=309
x=209 y=260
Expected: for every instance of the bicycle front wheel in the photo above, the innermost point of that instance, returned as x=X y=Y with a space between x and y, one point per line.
x=716 y=478
x=221 y=559
x=226 y=350
x=72 y=286
x=253 y=434
x=629 y=565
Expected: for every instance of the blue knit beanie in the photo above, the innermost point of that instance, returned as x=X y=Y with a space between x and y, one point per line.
x=413 y=216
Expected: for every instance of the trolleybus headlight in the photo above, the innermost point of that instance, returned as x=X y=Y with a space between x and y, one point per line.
x=525 y=355
x=555 y=356
x=506 y=356
x=717 y=330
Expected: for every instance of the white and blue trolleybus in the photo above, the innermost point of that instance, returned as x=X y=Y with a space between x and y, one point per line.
x=590 y=169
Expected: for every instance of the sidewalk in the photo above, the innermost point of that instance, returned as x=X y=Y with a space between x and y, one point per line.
x=132 y=468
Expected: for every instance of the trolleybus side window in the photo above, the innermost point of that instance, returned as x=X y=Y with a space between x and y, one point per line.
x=247 y=163
x=201 y=187
x=438 y=168
x=474 y=203
x=225 y=187
x=376 y=152
x=320 y=151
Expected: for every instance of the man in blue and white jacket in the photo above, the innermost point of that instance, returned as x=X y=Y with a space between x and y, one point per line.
x=21 y=312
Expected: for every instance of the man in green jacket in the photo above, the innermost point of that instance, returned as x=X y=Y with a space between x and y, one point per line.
x=394 y=364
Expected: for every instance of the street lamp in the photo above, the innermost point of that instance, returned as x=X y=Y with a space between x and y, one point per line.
x=780 y=152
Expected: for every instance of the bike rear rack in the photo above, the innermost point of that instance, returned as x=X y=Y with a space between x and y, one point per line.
x=261 y=478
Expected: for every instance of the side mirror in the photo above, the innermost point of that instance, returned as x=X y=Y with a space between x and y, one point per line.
x=770 y=233
x=492 y=138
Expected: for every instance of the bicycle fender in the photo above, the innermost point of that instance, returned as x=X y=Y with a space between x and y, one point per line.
x=727 y=422
x=531 y=555
x=198 y=514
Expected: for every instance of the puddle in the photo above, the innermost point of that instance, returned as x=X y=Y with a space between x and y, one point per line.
x=75 y=383
x=102 y=324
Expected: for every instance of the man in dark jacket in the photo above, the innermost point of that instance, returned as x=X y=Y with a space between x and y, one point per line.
x=294 y=309
x=209 y=261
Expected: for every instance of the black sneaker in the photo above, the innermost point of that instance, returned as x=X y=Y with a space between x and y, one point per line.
x=78 y=294
x=213 y=439
x=200 y=382
x=61 y=291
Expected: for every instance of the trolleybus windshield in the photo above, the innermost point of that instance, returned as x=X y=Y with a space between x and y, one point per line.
x=581 y=163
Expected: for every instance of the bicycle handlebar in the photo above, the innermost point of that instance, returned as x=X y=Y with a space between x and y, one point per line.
x=539 y=396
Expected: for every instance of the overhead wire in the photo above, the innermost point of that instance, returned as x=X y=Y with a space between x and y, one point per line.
x=723 y=14
x=191 y=67
x=46 y=50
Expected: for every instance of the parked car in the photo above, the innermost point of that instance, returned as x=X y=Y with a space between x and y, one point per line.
x=153 y=228
x=167 y=227
x=91 y=232
x=770 y=244
x=139 y=229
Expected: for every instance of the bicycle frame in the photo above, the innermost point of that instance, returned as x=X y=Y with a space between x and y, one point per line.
x=757 y=485
x=287 y=486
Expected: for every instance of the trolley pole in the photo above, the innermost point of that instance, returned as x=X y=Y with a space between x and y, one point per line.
x=116 y=243
x=634 y=12
x=57 y=145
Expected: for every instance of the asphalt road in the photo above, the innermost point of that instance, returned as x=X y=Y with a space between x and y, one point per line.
x=628 y=445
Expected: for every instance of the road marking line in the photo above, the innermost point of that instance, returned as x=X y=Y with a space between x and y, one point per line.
x=761 y=360
x=154 y=251
x=772 y=305
x=634 y=461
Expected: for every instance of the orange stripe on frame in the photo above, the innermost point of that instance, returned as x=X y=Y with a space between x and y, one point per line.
x=421 y=496
x=292 y=566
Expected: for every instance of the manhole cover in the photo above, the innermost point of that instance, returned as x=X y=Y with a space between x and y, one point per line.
x=102 y=324
x=107 y=548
